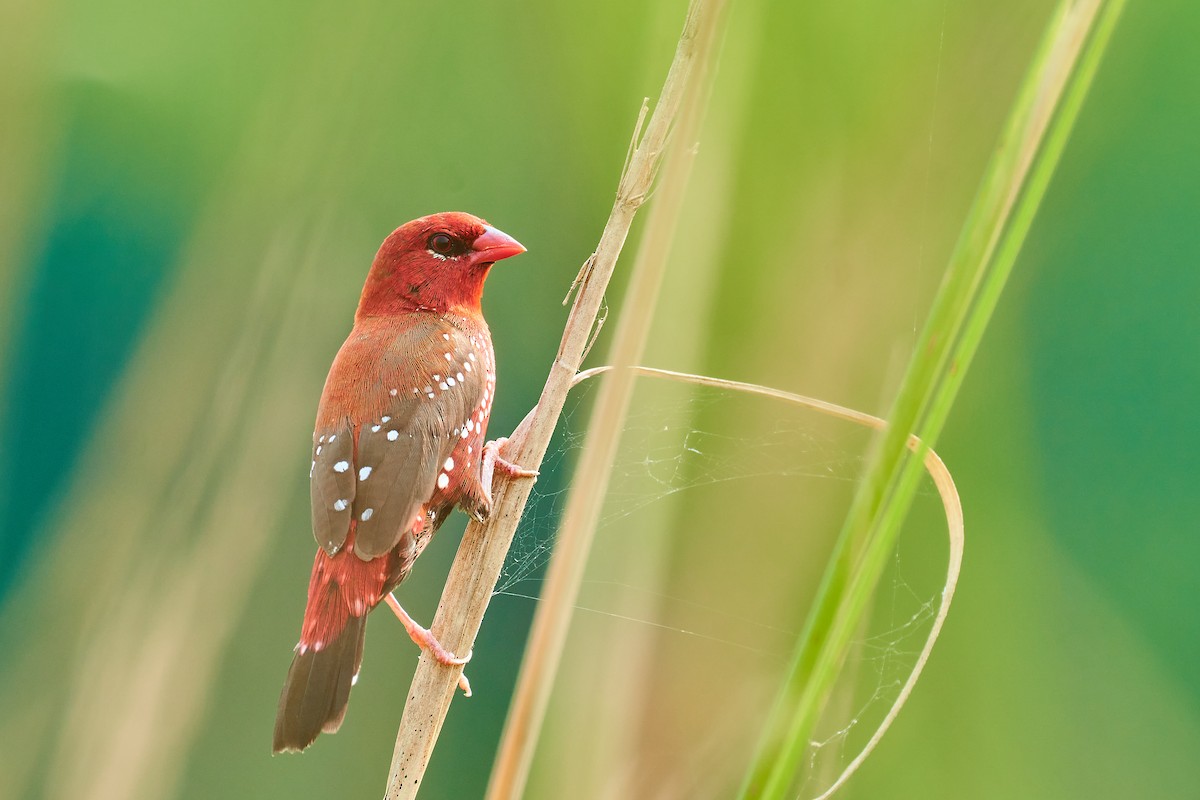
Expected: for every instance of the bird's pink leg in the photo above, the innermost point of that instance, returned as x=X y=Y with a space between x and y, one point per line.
x=492 y=459
x=424 y=639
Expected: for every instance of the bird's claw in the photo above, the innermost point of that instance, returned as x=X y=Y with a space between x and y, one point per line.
x=493 y=460
x=424 y=639
x=491 y=451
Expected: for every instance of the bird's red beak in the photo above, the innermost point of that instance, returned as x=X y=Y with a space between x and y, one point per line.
x=493 y=245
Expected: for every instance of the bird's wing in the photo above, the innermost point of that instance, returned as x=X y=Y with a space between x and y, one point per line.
x=430 y=385
x=332 y=484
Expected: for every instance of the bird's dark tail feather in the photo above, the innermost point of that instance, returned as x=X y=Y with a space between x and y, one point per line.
x=317 y=689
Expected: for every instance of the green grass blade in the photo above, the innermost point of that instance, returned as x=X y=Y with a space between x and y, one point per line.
x=1046 y=108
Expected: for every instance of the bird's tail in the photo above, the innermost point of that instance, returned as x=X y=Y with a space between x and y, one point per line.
x=317 y=688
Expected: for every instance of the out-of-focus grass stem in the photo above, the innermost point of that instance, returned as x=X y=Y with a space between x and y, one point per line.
x=1047 y=106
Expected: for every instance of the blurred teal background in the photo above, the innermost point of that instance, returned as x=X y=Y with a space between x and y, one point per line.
x=191 y=194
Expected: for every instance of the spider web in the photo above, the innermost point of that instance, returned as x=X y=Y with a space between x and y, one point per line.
x=663 y=455
x=686 y=572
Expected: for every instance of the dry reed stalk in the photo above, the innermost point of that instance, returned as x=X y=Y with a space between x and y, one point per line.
x=543 y=652
x=484 y=547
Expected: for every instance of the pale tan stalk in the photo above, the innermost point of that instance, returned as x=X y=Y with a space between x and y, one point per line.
x=543 y=652
x=484 y=546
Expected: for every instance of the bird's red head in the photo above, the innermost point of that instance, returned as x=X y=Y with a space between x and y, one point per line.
x=434 y=263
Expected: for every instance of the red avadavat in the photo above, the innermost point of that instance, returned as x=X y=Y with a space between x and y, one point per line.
x=399 y=441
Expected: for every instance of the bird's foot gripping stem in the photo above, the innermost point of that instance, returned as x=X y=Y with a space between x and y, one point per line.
x=424 y=639
x=493 y=460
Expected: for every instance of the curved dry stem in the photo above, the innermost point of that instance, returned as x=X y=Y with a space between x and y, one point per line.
x=942 y=480
x=954 y=522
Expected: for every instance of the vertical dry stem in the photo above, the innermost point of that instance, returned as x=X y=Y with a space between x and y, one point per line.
x=543 y=653
x=484 y=547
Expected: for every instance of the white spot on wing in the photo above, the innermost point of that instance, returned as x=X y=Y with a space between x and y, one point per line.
x=393 y=435
x=443 y=481
x=367 y=512
x=375 y=428
x=341 y=466
x=449 y=465
x=364 y=473
x=339 y=505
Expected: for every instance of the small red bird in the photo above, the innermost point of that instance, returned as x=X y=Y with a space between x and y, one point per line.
x=399 y=441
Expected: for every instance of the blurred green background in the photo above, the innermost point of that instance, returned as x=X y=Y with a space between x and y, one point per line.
x=191 y=194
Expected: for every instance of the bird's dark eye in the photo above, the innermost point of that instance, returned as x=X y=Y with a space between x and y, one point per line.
x=442 y=243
